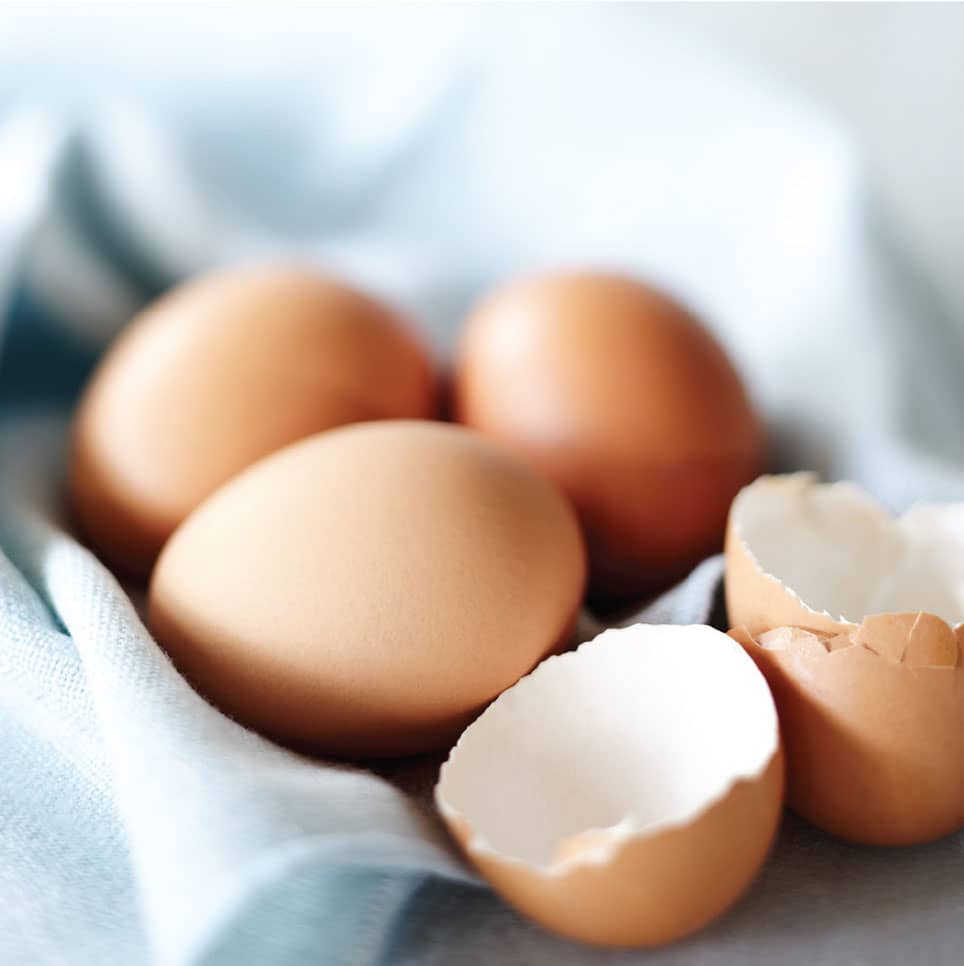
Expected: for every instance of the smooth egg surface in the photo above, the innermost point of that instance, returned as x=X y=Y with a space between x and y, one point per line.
x=218 y=373
x=365 y=592
x=622 y=397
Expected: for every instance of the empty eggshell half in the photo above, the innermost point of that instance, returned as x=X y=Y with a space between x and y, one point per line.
x=874 y=740
x=854 y=619
x=824 y=556
x=625 y=793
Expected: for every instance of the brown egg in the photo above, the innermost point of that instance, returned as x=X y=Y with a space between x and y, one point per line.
x=870 y=696
x=365 y=592
x=218 y=373
x=618 y=394
x=626 y=793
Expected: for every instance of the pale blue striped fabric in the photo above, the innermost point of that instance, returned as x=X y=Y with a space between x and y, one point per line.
x=426 y=154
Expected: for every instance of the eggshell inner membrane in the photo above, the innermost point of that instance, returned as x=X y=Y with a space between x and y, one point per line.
x=638 y=731
x=840 y=553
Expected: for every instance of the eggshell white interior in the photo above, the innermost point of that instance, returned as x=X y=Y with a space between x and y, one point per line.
x=844 y=555
x=642 y=728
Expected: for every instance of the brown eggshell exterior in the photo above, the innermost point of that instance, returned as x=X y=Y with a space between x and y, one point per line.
x=875 y=747
x=219 y=372
x=366 y=592
x=618 y=394
x=655 y=888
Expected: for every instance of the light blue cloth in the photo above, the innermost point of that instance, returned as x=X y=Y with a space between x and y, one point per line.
x=428 y=154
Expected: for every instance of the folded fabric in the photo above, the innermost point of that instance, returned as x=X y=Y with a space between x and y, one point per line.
x=427 y=156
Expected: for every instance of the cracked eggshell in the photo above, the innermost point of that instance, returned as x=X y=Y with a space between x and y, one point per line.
x=217 y=373
x=873 y=725
x=825 y=556
x=854 y=618
x=626 y=793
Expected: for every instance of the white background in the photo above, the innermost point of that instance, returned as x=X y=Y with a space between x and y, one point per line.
x=893 y=71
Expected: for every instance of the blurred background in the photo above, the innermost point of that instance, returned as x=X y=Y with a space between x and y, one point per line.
x=893 y=71
x=791 y=171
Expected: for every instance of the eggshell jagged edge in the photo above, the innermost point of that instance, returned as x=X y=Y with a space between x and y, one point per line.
x=837 y=685
x=759 y=601
x=581 y=862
